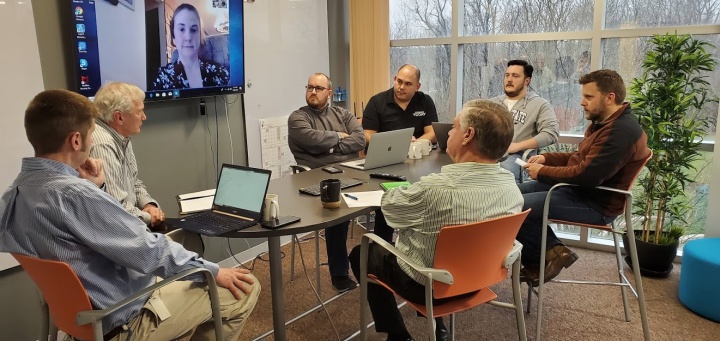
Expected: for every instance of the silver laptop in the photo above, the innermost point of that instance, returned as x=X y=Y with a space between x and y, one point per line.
x=386 y=148
x=441 y=134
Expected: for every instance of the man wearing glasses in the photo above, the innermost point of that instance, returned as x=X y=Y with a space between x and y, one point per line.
x=319 y=135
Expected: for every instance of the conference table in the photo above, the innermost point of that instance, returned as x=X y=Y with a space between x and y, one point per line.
x=314 y=217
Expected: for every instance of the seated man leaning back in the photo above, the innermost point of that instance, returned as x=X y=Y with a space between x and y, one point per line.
x=57 y=209
x=471 y=189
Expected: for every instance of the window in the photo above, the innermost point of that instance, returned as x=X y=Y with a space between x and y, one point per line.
x=661 y=13
x=434 y=64
x=562 y=41
x=485 y=17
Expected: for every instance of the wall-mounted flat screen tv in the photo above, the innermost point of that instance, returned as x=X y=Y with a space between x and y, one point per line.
x=171 y=49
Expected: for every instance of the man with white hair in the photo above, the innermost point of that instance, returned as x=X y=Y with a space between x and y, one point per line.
x=121 y=113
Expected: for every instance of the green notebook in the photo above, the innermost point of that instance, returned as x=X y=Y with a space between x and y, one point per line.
x=390 y=185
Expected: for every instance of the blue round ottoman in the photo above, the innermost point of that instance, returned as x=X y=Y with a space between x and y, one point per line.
x=700 y=277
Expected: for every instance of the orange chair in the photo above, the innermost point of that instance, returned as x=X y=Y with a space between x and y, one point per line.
x=69 y=305
x=468 y=258
x=630 y=249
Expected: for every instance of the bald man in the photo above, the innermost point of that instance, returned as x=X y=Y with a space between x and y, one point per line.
x=402 y=106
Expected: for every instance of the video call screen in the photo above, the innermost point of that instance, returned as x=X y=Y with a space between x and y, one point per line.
x=170 y=49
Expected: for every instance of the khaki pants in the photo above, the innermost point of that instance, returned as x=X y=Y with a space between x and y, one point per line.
x=189 y=306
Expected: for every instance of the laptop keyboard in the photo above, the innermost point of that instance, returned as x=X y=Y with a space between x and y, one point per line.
x=221 y=222
x=344 y=183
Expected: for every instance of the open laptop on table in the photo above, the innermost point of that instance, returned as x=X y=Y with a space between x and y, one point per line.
x=387 y=148
x=237 y=204
x=441 y=134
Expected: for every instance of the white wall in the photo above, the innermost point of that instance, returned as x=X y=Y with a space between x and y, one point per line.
x=20 y=81
x=123 y=32
x=285 y=42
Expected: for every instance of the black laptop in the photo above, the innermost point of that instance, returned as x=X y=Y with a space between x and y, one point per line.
x=237 y=204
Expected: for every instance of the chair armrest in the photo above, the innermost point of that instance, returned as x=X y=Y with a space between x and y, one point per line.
x=513 y=255
x=439 y=275
x=526 y=153
x=91 y=316
x=299 y=168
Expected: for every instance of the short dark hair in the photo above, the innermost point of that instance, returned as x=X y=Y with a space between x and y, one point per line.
x=53 y=115
x=607 y=81
x=493 y=126
x=527 y=68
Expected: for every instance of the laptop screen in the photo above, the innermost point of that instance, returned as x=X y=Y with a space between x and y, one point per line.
x=241 y=188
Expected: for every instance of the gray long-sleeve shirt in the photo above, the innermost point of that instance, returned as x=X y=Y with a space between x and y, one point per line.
x=533 y=117
x=314 y=140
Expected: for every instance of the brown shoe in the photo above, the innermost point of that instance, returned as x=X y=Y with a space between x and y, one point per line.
x=530 y=275
x=558 y=257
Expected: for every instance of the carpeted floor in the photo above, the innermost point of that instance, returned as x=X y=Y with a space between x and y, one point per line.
x=571 y=312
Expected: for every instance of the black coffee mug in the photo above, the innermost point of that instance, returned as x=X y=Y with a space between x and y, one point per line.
x=330 y=193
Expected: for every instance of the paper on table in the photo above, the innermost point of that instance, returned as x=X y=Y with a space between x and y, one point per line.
x=196 y=205
x=364 y=199
x=205 y=193
x=520 y=162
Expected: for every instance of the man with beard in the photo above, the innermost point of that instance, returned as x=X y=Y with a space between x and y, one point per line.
x=319 y=135
x=611 y=154
x=535 y=123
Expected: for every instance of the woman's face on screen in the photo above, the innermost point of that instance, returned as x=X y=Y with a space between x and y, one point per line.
x=187 y=33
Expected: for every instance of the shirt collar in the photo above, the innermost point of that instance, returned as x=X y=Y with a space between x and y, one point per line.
x=468 y=167
x=40 y=163
x=119 y=139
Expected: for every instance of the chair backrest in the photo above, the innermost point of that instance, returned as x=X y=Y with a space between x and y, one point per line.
x=474 y=253
x=639 y=170
x=63 y=292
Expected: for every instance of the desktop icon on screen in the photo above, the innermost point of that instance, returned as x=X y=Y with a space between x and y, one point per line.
x=78 y=10
x=84 y=80
x=82 y=46
x=80 y=28
x=83 y=63
x=176 y=93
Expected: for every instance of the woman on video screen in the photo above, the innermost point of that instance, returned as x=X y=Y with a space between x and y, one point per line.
x=189 y=71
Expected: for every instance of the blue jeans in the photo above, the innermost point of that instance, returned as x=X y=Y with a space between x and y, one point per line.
x=335 y=244
x=565 y=205
x=518 y=172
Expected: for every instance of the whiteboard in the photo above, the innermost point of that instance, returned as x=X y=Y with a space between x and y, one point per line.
x=21 y=81
x=285 y=42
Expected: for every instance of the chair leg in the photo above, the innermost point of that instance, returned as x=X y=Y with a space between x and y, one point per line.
x=541 y=287
x=529 y=296
x=522 y=333
x=638 y=285
x=618 y=258
x=452 y=327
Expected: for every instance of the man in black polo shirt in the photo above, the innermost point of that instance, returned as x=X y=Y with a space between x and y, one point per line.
x=401 y=106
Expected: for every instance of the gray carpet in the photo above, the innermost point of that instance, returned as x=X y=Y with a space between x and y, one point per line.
x=572 y=312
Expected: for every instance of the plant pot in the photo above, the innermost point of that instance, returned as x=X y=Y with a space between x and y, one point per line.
x=654 y=260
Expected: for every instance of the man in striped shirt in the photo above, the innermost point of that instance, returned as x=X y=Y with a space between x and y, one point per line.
x=56 y=209
x=121 y=113
x=472 y=189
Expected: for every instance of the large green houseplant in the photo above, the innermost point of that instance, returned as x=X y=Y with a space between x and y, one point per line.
x=668 y=100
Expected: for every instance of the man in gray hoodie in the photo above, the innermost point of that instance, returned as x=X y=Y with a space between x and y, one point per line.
x=319 y=135
x=535 y=123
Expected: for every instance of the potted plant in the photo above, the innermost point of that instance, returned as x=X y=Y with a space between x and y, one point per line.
x=668 y=100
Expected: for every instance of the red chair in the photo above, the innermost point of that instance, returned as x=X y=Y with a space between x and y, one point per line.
x=468 y=258
x=69 y=305
x=630 y=249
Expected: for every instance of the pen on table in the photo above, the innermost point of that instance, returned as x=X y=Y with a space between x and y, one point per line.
x=350 y=196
